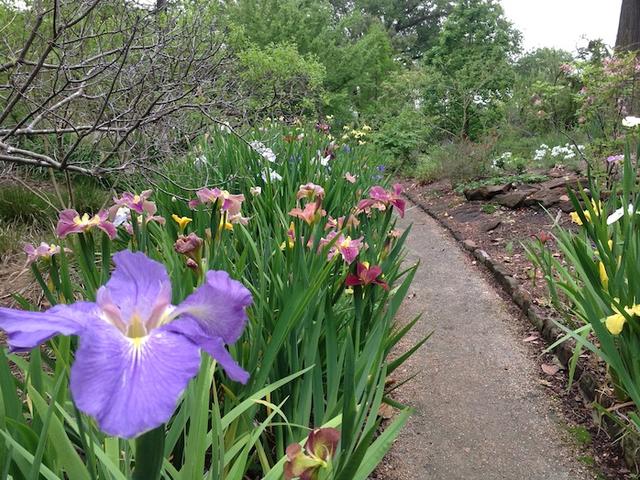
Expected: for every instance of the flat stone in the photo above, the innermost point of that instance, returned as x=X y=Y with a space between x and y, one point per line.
x=566 y=207
x=469 y=245
x=546 y=198
x=521 y=298
x=486 y=192
x=512 y=199
x=489 y=225
x=565 y=182
x=467 y=213
x=482 y=256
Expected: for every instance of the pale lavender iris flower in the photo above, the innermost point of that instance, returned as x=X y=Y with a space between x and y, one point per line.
x=137 y=352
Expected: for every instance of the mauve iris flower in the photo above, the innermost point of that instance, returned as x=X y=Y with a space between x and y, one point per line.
x=70 y=221
x=380 y=199
x=137 y=352
x=138 y=203
x=229 y=203
x=345 y=246
x=44 y=250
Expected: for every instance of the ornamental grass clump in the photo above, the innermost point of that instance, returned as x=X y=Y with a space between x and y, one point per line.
x=220 y=325
x=598 y=288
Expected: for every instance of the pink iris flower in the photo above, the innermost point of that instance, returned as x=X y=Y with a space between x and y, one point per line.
x=350 y=178
x=334 y=223
x=380 y=199
x=345 y=246
x=310 y=214
x=366 y=275
x=310 y=191
x=138 y=203
x=230 y=203
x=70 y=222
x=44 y=250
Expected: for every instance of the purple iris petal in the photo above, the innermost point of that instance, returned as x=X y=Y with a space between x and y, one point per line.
x=214 y=346
x=27 y=330
x=137 y=286
x=131 y=385
x=218 y=306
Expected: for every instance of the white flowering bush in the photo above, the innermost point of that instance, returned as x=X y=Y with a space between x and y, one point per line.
x=558 y=153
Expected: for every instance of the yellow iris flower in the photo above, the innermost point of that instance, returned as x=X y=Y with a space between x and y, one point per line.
x=181 y=221
x=597 y=209
x=226 y=225
x=615 y=323
x=604 y=278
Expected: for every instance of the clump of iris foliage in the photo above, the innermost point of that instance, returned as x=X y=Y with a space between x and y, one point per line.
x=597 y=285
x=238 y=328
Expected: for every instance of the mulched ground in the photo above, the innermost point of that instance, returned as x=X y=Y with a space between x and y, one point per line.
x=501 y=232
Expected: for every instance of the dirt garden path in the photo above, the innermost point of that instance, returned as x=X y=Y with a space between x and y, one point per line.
x=480 y=411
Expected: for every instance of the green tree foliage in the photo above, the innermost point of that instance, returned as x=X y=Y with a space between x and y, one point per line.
x=280 y=81
x=354 y=48
x=544 y=94
x=412 y=25
x=470 y=69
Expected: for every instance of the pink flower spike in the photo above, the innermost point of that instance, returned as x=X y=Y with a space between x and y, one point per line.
x=350 y=178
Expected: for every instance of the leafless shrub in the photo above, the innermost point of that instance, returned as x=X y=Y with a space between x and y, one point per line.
x=103 y=86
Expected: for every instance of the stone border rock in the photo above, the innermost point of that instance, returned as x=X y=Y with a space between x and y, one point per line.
x=549 y=331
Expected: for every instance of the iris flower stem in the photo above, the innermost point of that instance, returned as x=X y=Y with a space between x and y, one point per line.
x=136 y=245
x=54 y=274
x=43 y=284
x=88 y=450
x=359 y=310
x=149 y=454
x=87 y=265
x=106 y=258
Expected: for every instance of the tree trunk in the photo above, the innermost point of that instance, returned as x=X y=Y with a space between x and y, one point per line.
x=628 y=38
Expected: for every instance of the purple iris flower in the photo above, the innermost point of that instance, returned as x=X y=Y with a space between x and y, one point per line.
x=137 y=351
x=381 y=168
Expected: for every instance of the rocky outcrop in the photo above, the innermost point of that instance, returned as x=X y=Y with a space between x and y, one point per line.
x=552 y=193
